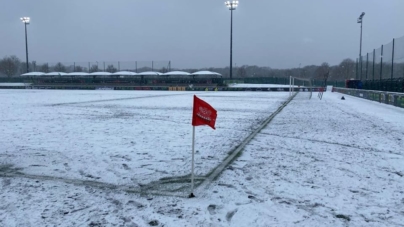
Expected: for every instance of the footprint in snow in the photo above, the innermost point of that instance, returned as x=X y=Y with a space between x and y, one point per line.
x=230 y=215
x=212 y=209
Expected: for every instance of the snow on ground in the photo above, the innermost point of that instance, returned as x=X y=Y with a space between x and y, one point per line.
x=124 y=138
x=318 y=163
x=259 y=85
x=14 y=84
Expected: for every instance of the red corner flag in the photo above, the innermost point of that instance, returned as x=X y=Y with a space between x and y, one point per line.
x=203 y=114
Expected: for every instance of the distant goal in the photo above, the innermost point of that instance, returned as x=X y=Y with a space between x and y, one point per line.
x=297 y=84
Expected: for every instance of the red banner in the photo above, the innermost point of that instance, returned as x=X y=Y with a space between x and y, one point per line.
x=203 y=113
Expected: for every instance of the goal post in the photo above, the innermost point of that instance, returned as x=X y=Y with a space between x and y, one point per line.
x=297 y=84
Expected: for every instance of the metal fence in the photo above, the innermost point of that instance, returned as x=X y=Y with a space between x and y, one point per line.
x=383 y=68
x=395 y=99
x=101 y=66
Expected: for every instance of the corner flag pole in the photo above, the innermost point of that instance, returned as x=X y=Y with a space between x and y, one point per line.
x=202 y=114
x=193 y=155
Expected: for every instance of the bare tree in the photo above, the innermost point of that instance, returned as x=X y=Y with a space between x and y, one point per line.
x=164 y=70
x=347 y=68
x=335 y=73
x=94 y=68
x=111 y=69
x=78 y=69
x=44 y=68
x=402 y=71
x=323 y=72
x=9 y=65
x=59 y=67
x=242 y=72
x=33 y=66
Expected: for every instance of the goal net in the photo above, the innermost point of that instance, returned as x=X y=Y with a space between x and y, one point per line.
x=297 y=84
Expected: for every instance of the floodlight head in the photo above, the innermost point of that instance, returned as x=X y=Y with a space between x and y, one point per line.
x=361 y=17
x=25 y=20
x=232 y=5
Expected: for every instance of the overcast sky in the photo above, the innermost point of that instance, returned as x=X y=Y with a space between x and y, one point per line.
x=191 y=33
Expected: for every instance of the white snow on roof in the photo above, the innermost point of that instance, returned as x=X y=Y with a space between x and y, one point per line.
x=150 y=73
x=55 y=74
x=78 y=74
x=100 y=74
x=33 y=74
x=177 y=73
x=124 y=73
x=206 y=73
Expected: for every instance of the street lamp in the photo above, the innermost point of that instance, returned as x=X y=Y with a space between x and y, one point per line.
x=232 y=5
x=26 y=20
x=360 y=21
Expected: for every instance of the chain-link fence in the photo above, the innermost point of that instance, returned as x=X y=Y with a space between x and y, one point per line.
x=383 y=69
x=398 y=58
x=102 y=66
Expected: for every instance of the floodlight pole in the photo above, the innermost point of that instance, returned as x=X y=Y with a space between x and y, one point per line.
x=231 y=43
x=360 y=20
x=26 y=47
x=26 y=21
x=232 y=5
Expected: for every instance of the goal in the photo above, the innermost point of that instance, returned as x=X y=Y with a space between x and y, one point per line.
x=297 y=84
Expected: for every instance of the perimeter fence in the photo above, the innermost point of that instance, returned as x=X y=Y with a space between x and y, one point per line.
x=383 y=68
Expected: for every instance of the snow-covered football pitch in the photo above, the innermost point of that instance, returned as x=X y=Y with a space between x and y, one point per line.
x=111 y=158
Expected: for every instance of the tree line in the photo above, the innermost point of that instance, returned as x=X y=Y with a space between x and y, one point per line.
x=12 y=66
x=346 y=69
